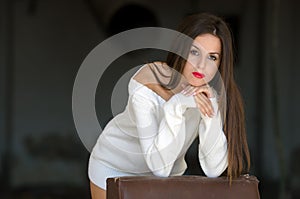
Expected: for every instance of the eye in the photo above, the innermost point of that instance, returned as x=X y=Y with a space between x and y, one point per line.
x=212 y=57
x=194 y=52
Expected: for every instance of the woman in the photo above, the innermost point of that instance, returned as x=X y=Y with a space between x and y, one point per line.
x=170 y=105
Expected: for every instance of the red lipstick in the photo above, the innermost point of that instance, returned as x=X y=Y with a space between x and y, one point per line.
x=198 y=75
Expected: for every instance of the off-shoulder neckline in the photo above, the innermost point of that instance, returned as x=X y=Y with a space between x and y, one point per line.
x=147 y=88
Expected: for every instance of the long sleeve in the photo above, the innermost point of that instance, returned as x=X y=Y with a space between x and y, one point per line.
x=212 y=144
x=162 y=139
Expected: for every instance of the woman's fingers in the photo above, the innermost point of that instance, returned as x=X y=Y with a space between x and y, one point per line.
x=201 y=95
x=191 y=90
x=206 y=89
x=204 y=104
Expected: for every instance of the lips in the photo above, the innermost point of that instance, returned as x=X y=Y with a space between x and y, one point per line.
x=198 y=75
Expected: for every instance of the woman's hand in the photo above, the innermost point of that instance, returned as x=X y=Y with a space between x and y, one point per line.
x=201 y=95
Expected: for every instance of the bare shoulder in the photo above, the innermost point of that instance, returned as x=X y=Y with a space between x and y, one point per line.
x=151 y=71
x=149 y=75
x=144 y=75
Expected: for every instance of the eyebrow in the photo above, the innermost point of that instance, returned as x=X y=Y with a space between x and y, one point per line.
x=209 y=52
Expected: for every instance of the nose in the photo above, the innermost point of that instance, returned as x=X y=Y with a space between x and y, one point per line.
x=201 y=63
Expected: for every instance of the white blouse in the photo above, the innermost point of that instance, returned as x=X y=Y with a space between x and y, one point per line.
x=153 y=135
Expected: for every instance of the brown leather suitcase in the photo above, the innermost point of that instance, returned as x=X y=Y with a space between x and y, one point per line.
x=182 y=187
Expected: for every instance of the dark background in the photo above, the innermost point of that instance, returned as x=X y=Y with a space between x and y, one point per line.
x=43 y=43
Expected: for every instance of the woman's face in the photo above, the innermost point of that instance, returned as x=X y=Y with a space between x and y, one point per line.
x=203 y=60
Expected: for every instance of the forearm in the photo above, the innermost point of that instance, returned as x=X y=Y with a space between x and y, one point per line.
x=162 y=140
x=213 y=144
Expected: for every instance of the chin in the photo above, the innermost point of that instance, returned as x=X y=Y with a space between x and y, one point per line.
x=196 y=84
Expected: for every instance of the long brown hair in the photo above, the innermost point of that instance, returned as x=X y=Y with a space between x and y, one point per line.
x=234 y=126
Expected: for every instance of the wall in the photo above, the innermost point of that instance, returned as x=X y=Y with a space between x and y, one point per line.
x=281 y=139
x=2 y=81
x=48 y=48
